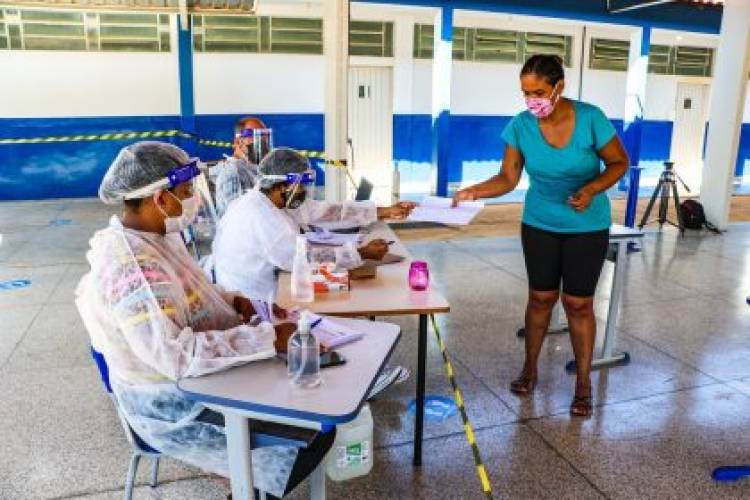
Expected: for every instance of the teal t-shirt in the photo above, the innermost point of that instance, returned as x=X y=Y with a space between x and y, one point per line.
x=557 y=173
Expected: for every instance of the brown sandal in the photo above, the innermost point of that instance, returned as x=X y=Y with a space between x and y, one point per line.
x=523 y=385
x=582 y=406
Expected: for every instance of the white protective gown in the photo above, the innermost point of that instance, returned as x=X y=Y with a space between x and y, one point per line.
x=255 y=238
x=234 y=178
x=156 y=318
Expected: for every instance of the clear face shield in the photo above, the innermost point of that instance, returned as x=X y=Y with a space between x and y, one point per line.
x=258 y=143
x=297 y=187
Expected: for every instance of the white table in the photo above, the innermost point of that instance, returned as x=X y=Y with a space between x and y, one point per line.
x=262 y=391
x=386 y=295
x=619 y=239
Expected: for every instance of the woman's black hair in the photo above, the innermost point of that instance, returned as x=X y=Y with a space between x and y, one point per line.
x=547 y=66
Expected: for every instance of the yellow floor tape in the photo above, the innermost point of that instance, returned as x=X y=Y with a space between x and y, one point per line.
x=481 y=471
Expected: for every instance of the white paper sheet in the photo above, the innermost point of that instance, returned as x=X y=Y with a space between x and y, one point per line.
x=331 y=333
x=328 y=238
x=435 y=209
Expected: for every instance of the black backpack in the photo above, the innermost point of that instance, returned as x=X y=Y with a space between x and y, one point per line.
x=693 y=216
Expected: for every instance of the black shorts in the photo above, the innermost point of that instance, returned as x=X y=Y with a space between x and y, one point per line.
x=574 y=258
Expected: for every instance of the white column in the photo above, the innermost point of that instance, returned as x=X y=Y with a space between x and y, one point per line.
x=635 y=98
x=442 y=62
x=336 y=47
x=403 y=82
x=725 y=118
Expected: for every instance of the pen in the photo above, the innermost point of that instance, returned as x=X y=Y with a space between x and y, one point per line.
x=316 y=323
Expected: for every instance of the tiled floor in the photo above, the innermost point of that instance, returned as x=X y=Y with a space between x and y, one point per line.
x=661 y=424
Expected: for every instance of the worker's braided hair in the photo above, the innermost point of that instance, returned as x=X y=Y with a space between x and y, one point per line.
x=547 y=66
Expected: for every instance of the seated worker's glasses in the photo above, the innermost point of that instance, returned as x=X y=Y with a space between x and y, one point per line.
x=174 y=177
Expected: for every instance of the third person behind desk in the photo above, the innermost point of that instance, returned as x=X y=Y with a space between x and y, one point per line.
x=257 y=235
x=566 y=218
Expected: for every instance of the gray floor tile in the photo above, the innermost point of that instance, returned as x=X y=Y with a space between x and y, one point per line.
x=70 y=440
x=659 y=447
x=498 y=359
x=518 y=463
x=706 y=333
x=394 y=424
x=44 y=280
x=65 y=291
x=56 y=339
x=15 y=323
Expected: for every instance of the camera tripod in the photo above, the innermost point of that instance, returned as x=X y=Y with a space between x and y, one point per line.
x=667 y=183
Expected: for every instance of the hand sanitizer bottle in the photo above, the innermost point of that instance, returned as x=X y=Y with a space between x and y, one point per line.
x=302 y=286
x=303 y=355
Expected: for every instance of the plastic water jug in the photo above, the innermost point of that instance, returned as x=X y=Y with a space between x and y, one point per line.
x=351 y=454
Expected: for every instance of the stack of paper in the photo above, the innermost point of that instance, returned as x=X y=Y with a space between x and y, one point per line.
x=434 y=209
x=332 y=334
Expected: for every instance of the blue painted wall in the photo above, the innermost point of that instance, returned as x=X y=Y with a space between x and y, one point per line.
x=75 y=169
x=64 y=170
x=38 y=171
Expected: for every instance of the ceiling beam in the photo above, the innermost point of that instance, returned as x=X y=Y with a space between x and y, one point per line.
x=617 y=6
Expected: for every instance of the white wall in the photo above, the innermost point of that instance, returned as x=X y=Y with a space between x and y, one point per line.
x=57 y=84
x=258 y=83
x=41 y=84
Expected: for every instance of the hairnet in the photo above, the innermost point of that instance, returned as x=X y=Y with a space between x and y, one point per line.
x=139 y=165
x=281 y=161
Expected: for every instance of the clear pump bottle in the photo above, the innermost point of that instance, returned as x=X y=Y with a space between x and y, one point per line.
x=302 y=285
x=303 y=355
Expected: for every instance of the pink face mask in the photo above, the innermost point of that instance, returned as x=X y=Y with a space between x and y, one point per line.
x=542 y=107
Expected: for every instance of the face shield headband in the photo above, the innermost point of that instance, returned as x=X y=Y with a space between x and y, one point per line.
x=174 y=177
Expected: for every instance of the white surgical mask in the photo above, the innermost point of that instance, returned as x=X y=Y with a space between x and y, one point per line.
x=190 y=208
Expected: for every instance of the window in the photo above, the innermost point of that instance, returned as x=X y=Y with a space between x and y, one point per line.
x=132 y=32
x=496 y=45
x=609 y=54
x=283 y=35
x=693 y=61
x=226 y=34
x=423 y=41
x=659 y=59
x=81 y=31
x=295 y=36
x=481 y=44
x=681 y=60
x=373 y=39
x=543 y=43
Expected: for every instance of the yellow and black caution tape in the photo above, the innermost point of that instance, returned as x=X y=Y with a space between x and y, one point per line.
x=150 y=134
x=113 y=136
x=481 y=471
x=217 y=144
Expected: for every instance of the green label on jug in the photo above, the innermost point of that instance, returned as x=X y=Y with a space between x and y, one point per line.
x=353 y=454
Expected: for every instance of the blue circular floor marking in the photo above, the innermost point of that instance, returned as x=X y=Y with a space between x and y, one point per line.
x=14 y=284
x=436 y=408
x=60 y=222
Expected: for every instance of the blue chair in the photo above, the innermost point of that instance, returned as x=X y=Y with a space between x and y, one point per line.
x=276 y=435
x=140 y=448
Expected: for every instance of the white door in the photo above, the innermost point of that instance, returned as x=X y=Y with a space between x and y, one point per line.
x=371 y=129
x=691 y=112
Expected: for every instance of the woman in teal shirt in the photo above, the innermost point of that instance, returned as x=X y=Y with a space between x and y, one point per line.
x=565 y=229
